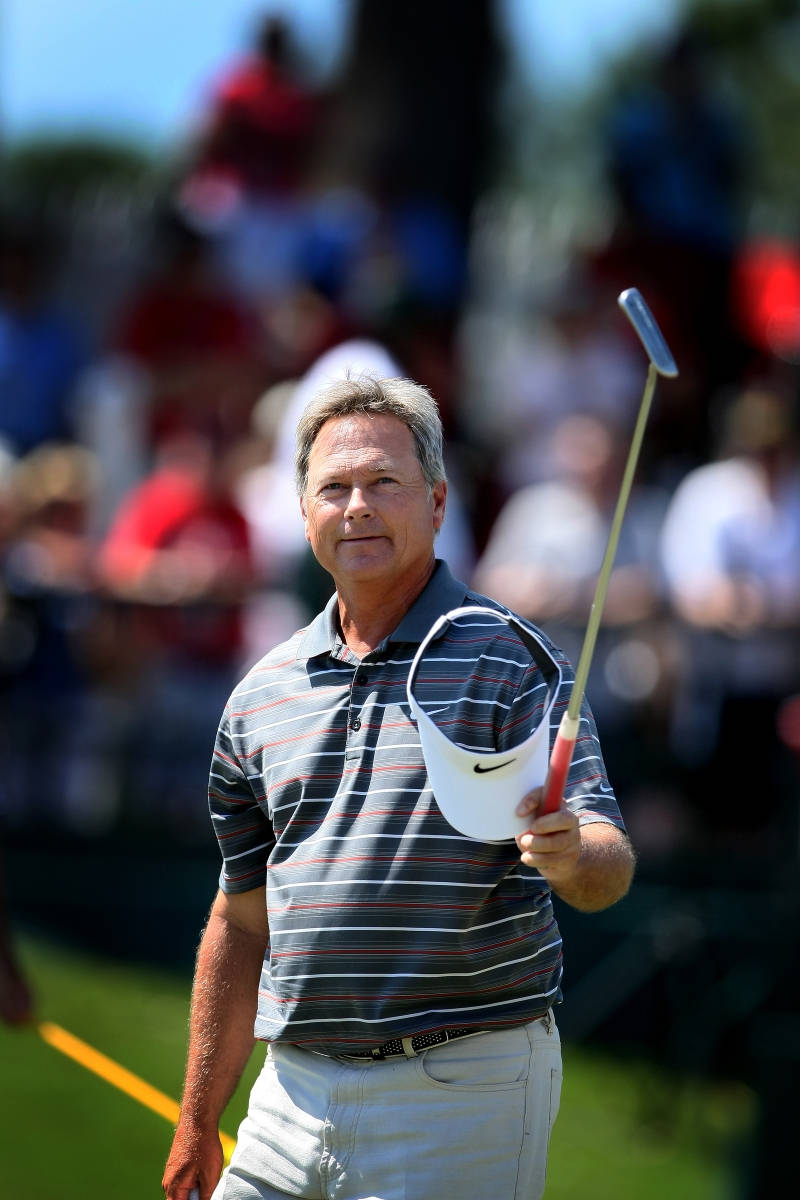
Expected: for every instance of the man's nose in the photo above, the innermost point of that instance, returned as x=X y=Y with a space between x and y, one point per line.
x=357 y=503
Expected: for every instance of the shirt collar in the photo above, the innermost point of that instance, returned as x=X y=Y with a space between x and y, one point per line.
x=321 y=636
x=441 y=593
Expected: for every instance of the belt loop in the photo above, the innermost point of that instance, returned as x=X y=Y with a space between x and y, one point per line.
x=408 y=1049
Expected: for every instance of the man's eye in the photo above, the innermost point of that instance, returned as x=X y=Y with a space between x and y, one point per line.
x=330 y=487
x=386 y=479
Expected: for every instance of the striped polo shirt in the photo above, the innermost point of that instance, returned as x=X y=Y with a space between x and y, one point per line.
x=384 y=920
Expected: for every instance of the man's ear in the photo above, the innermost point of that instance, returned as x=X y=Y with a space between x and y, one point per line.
x=439 y=496
x=304 y=515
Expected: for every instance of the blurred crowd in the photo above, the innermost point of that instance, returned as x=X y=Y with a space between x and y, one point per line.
x=150 y=540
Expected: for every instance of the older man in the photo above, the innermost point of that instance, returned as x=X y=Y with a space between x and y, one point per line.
x=402 y=974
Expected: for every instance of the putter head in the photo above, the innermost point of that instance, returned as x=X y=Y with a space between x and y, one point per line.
x=634 y=305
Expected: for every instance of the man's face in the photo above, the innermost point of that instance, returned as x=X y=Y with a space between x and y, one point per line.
x=368 y=515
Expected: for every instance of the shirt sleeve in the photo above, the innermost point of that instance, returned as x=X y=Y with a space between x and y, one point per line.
x=588 y=791
x=243 y=830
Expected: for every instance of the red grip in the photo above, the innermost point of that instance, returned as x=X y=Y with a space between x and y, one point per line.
x=560 y=760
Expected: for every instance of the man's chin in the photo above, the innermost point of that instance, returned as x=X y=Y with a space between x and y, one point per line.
x=373 y=558
x=366 y=548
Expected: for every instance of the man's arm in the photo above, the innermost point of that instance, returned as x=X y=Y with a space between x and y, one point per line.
x=590 y=867
x=224 y=1002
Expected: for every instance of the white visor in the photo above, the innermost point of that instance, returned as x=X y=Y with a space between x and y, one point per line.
x=478 y=791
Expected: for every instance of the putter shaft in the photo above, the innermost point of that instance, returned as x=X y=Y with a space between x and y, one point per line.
x=635 y=308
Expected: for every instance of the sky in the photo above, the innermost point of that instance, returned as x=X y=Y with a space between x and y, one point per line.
x=142 y=68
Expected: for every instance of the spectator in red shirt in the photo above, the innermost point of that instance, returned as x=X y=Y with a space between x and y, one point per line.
x=247 y=176
x=264 y=119
x=179 y=550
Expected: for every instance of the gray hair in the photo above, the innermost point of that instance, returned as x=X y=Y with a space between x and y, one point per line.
x=410 y=402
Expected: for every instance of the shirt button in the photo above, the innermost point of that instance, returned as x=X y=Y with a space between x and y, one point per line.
x=360 y=679
x=355 y=723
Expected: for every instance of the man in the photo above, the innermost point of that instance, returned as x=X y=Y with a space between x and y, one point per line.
x=387 y=929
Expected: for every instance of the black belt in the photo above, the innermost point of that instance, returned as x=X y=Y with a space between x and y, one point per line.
x=409 y=1047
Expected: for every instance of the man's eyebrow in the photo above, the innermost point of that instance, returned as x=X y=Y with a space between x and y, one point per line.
x=333 y=470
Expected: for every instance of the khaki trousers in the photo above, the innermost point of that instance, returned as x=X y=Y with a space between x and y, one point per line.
x=470 y=1118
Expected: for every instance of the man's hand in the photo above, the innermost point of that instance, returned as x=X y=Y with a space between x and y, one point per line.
x=195 y=1161
x=552 y=843
x=589 y=866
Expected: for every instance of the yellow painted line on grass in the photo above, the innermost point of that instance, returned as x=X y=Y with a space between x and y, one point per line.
x=118 y=1077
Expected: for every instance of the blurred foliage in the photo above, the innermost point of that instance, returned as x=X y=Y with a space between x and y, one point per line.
x=753 y=55
x=557 y=152
x=756 y=44
x=44 y=175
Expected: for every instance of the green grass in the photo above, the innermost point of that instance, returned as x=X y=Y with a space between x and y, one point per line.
x=624 y=1130
x=628 y=1130
x=67 y=1134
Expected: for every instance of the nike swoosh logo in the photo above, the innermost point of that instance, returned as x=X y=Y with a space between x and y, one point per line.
x=479 y=770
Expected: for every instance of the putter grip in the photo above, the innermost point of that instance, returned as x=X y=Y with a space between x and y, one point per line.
x=560 y=760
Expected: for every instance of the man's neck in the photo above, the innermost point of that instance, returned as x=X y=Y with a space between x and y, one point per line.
x=369 y=612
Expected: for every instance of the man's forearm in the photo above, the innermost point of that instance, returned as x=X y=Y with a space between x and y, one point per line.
x=224 y=1000
x=603 y=872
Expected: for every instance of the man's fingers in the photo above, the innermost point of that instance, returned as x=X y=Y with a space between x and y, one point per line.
x=551 y=823
x=184 y=1193
x=552 y=843
x=530 y=802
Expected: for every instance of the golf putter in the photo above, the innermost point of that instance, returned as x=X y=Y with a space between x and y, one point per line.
x=636 y=310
